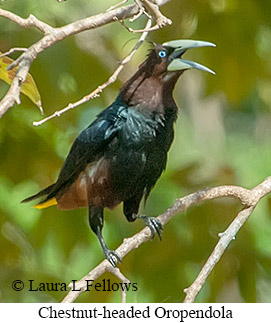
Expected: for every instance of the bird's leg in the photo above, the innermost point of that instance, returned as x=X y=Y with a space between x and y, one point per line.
x=130 y=210
x=96 y=224
x=110 y=255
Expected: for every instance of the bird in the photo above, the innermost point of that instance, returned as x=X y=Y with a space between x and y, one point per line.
x=119 y=157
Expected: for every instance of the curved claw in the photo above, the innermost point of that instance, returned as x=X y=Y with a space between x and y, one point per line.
x=112 y=257
x=153 y=224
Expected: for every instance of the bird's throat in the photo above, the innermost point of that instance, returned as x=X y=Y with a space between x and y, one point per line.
x=152 y=93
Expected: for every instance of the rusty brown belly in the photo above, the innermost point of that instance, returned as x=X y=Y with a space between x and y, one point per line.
x=92 y=187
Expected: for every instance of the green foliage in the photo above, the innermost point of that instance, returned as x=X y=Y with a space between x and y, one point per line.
x=222 y=137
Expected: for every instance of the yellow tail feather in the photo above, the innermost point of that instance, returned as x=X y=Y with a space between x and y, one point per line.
x=46 y=204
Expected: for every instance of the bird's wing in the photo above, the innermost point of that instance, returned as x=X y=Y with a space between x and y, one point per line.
x=89 y=146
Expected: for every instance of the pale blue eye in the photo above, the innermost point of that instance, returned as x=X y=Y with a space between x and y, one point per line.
x=162 y=53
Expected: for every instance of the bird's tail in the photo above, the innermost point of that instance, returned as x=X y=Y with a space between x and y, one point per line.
x=49 y=201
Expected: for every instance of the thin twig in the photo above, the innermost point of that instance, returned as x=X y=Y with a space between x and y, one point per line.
x=119 y=274
x=100 y=88
x=248 y=198
x=152 y=7
x=161 y=20
x=12 y=50
x=142 y=10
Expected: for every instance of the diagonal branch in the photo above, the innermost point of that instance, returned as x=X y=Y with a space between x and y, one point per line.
x=225 y=238
x=248 y=198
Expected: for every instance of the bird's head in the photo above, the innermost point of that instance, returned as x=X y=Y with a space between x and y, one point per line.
x=158 y=74
x=166 y=59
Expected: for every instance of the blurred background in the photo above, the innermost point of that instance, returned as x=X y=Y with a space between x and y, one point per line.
x=223 y=136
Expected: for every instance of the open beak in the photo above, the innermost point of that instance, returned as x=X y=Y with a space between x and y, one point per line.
x=180 y=47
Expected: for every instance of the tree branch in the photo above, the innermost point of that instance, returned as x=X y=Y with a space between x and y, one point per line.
x=50 y=37
x=249 y=200
x=226 y=237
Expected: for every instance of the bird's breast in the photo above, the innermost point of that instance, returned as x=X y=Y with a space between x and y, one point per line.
x=139 y=128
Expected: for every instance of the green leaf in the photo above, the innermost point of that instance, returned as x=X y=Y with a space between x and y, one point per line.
x=29 y=88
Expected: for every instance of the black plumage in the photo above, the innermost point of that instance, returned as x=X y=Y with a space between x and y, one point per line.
x=119 y=157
